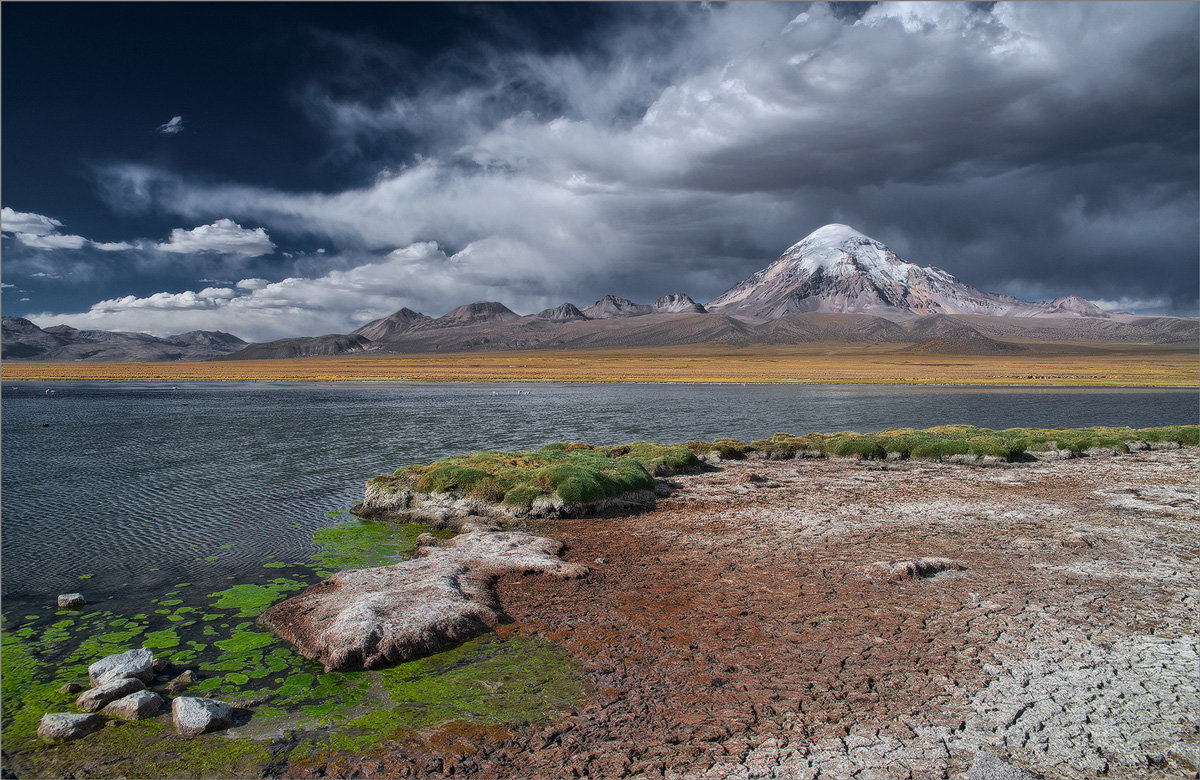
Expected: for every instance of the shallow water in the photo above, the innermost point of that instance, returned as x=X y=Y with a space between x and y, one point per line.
x=141 y=485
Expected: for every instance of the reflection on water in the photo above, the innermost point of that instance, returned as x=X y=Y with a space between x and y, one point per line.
x=141 y=485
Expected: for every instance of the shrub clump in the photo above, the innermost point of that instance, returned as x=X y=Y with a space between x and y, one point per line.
x=577 y=473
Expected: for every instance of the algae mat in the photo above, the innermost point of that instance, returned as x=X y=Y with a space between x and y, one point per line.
x=306 y=715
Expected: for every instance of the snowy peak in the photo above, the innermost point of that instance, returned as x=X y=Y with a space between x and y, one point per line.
x=837 y=269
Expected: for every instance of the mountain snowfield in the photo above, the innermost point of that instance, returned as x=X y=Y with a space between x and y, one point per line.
x=837 y=269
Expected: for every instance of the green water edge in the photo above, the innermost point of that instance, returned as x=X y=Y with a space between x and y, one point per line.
x=307 y=714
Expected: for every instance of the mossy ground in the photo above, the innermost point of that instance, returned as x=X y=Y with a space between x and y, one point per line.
x=307 y=712
x=576 y=473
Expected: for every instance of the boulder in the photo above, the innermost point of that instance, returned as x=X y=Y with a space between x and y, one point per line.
x=71 y=687
x=921 y=567
x=135 y=706
x=193 y=716
x=90 y=701
x=366 y=618
x=137 y=663
x=181 y=683
x=71 y=601
x=61 y=726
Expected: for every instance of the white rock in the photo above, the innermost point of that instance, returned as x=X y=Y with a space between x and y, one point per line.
x=137 y=663
x=61 y=726
x=193 y=716
x=71 y=601
x=135 y=706
x=90 y=701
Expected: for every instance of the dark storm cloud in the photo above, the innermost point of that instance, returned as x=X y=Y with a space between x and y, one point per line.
x=1036 y=149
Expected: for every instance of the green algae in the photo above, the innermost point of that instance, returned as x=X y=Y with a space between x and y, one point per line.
x=360 y=544
x=243 y=641
x=250 y=600
x=161 y=640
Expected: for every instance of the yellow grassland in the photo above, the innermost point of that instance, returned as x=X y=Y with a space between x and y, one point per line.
x=1043 y=365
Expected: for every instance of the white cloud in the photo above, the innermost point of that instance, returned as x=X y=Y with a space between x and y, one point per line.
x=112 y=246
x=29 y=224
x=224 y=236
x=51 y=241
x=37 y=231
x=172 y=127
x=6 y=285
x=420 y=275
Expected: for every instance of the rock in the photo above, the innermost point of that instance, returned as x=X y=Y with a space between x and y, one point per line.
x=1136 y=446
x=181 y=683
x=70 y=688
x=61 y=726
x=1164 y=445
x=921 y=567
x=137 y=663
x=810 y=454
x=135 y=706
x=366 y=618
x=988 y=767
x=193 y=716
x=71 y=601
x=90 y=701
x=253 y=701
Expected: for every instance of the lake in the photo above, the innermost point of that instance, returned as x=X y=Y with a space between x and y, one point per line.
x=135 y=486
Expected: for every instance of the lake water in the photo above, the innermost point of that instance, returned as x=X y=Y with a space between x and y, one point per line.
x=134 y=486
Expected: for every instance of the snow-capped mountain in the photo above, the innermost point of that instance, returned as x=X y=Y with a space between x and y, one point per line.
x=837 y=269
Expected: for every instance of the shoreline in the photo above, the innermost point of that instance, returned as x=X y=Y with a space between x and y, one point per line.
x=766 y=607
x=1064 y=366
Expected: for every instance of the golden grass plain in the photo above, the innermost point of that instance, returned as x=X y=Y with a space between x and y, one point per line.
x=1042 y=365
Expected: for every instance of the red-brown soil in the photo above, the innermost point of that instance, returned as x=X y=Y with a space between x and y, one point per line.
x=747 y=626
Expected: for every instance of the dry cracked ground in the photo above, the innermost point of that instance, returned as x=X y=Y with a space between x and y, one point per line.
x=747 y=626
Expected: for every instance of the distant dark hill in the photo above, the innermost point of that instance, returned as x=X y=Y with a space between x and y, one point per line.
x=611 y=306
x=23 y=340
x=564 y=312
x=475 y=313
x=405 y=319
x=312 y=346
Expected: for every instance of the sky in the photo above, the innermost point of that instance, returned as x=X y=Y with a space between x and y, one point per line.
x=286 y=169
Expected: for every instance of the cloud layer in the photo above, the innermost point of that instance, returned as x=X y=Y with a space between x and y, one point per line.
x=1037 y=149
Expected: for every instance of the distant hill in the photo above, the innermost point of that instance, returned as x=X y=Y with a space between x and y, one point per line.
x=22 y=340
x=835 y=285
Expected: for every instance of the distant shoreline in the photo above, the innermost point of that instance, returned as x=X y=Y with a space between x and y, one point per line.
x=1083 y=365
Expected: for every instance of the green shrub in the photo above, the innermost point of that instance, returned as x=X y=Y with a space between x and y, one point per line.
x=449 y=478
x=522 y=495
x=488 y=489
x=853 y=445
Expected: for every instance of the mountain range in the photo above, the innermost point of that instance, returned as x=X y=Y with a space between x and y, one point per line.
x=834 y=285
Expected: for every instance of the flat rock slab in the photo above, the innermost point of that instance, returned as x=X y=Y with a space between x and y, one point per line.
x=366 y=618
x=62 y=726
x=94 y=699
x=137 y=663
x=135 y=706
x=193 y=716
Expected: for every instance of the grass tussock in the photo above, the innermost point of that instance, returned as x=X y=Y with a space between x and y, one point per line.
x=575 y=472
x=580 y=473
x=948 y=440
